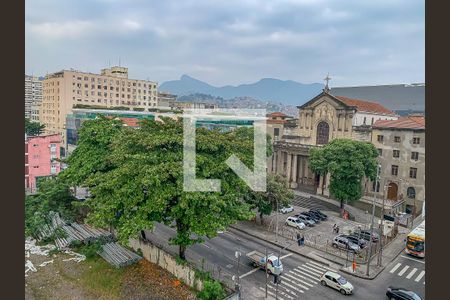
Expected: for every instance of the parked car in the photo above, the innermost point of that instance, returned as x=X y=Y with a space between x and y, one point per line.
x=295 y=222
x=307 y=220
x=311 y=216
x=402 y=294
x=362 y=243
x=365 y=234
x=322 y=216
x=342 y=242
x=337 y=282
x=286 y=209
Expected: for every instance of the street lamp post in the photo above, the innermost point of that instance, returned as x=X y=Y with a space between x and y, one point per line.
x=373 y=216
x=380 y=254
x=276 y=220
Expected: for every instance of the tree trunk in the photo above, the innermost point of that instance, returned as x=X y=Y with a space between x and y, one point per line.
x=261 y=218
x=182 y=252
x=342 y=204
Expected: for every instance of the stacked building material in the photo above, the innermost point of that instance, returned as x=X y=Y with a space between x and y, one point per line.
x=117 y=255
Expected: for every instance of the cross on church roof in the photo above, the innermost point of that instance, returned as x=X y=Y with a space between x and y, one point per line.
x=327 y=79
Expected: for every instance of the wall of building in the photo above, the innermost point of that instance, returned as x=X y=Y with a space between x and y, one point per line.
x=33 y=97
x=63 y=90
x=404 y=163
x=364 y=118
x=40 y=153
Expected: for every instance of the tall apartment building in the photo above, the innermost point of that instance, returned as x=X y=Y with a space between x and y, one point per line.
x=67 y=89
x=41 y=154
x=33 y=97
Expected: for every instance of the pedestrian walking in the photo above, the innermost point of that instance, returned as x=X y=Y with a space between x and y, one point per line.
x=302 y=239
x=334 y=228
x=299 y=239
x=337 y=229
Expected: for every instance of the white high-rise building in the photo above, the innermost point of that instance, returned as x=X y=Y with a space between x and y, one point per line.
x=33 y=97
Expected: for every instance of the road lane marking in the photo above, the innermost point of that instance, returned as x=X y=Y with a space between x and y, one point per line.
x=316 y=267
x=419 y=276
x=281 y=292
x=304 y=282
x=293 y=280
x=411 y=273
x=309 y=272
x=268 y=292
x=416 y=260
x=403 y=271
x=323 y=266
x=283 y=285
x=287 y=255
x=292 y=287
x=314 y=270
x=395 y=268
x=300 y=272
x=292 y=272
x=248 y=273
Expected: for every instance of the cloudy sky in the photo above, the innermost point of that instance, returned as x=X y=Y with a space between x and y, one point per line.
x=359 y=42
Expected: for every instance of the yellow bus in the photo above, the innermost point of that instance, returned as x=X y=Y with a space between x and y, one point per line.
x=415 y=241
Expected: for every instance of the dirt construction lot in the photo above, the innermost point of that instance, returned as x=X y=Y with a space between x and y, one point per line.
x=97 y=280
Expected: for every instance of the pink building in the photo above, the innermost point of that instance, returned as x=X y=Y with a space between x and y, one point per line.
x=40 y=155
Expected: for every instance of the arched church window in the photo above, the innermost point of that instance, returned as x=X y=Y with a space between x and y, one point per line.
x=323 y=133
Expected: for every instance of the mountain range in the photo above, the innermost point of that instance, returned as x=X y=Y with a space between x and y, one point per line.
x=288 y=92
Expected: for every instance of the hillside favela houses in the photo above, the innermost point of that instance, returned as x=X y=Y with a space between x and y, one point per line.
x=41 y=155
x=400 y=140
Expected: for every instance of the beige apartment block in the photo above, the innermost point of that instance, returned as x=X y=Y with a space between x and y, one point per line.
x=111 y=89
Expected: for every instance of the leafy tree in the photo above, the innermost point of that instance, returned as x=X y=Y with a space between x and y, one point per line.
x=348 y=162
x=93 y=149
x=33 y=128
x=53 y=195
x=139 y=180
x=266 y=202
x=212 y=290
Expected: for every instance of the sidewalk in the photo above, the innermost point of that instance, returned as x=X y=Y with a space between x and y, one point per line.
x=391 y=251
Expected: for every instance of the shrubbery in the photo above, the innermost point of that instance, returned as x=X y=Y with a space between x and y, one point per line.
x=212 y=290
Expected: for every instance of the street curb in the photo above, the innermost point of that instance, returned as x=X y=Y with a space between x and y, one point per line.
x=376 y=274
x=275 y=244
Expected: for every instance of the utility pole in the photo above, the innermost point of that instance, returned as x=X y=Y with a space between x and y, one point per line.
x=380 y=254
x=373 y=216
x=276 y=220
x=267 y=275
x=238 y=280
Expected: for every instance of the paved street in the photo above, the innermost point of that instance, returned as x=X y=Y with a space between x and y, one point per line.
x=300 y=279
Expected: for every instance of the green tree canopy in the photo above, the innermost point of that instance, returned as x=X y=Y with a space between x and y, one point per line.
x=53 y=195
x=137 y=178
x=348 y=162
x=266 y=202
x=33 y=128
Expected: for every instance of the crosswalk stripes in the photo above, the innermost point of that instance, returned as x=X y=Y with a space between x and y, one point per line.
x=297 y=281
x=395 y=268
x=411 y=273
x=420 y=276
x=403 y=271
x=272 y=295
x=408 y=272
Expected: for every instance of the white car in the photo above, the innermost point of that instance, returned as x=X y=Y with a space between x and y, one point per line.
x=287 y=209
x=295 y=222
x=337 y=282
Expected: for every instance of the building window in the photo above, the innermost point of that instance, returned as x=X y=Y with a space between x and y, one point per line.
x=416 y=141
x=380 y=138
x=411 y=192
x=396 y=153
x=413 y=172
x=380 y=151
x=276 y=131
x=394 y=170
x=414 y=155
x=323 y=133
x=396 y=139
x=378 y=186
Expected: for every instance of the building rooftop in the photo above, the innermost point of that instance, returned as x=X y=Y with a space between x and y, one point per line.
x=277 y=114
x=410 y=122
x=366 y=106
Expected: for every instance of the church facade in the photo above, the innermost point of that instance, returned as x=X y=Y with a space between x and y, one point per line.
x=320 y=120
